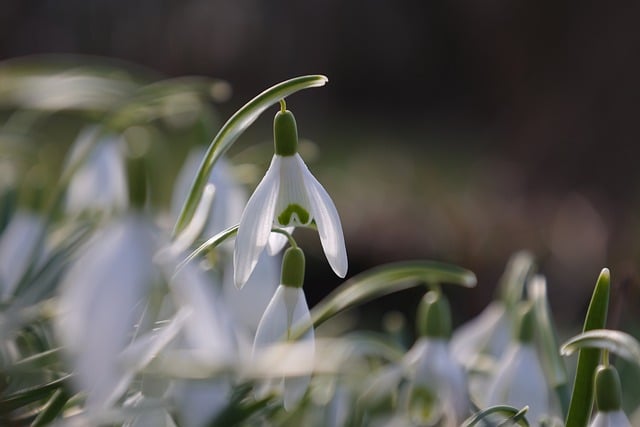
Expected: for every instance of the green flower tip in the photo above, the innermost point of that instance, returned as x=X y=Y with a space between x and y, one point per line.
x=608 y=389
x=525 y=330
x=285 y=133
x=434 y=316
x=293 y=268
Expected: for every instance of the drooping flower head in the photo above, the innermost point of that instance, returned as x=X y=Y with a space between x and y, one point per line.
x=288 y=196
x=438 y=382
x=520 y=380
x=287 y=311
x=609 y=399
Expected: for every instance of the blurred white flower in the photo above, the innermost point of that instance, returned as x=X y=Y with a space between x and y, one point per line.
x=610 y=419
x=101 y=300
x=520 y=380
x=435 y=375
x=209 y=338
x=17 y=249
x=247 y=305
x=99 y=183
x=288 y=196
x=488 y=334
x=209 y=329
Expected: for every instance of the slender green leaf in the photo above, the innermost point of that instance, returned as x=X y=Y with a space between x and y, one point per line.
x=209 y=244
x=620 y=343
x=386 y=279
x=37 y=362
x=512 y=415
x=53 y=408
x=232 y=129
x=30 y=395
x=588 y=358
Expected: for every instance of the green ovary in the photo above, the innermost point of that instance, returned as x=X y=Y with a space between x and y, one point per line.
x=294 y=209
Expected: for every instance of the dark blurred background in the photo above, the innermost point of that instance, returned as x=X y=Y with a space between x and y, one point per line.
x=454 y=130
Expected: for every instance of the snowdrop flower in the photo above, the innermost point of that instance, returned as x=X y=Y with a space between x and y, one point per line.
x=288 y=310
x=101 y=302
x=434 y=374
x=209 y=337
x=486 y=334
x=17 y=248
x=287 y=196
x=520 y=380
x=99 y=183
x=608 y=399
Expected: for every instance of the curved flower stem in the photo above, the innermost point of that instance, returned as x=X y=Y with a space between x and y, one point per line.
x=288 y=235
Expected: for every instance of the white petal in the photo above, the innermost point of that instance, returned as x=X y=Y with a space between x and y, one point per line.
x=247 y=305
x=288 y=308
x=327 y=220
x=520 y=381
x=209 y=327
x=199 y=401
x=610 y=419
x=100 y=182
x=100 y=303
x=255 y=224
x=436 y=370
x=17 y=246
x=489 y=333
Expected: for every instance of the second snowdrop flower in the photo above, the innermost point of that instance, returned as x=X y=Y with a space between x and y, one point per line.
x=287 y=196
x=288 y=311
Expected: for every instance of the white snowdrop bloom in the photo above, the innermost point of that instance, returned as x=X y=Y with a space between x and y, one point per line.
x=608 y=399
x=101 y=300
x=17 y=248
x=287 y=311
x=209 y=338
x=435 y=372
x=209 y=330
x=434 y=375
x=520 y=380
x=488 y=333
x=99 y=183
x=287 y=196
